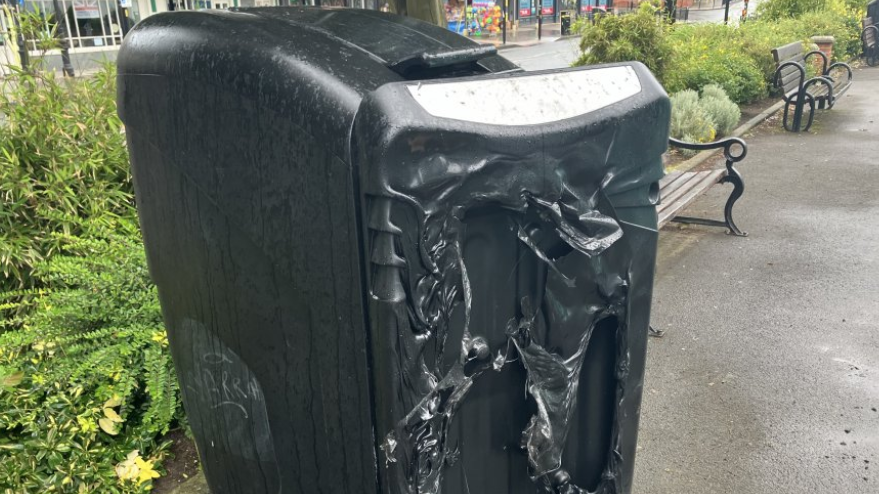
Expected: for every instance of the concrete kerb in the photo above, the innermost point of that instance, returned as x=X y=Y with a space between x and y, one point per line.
x=739 y=132
x=195 y=485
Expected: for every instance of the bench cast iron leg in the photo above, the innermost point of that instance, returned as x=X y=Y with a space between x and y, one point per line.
x=784 y=123
x=798 y=112
x=733 y=177
x=811 y=101
x=738 y=184
x=799 y=105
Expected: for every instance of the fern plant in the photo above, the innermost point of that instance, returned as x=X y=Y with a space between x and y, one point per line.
x=86 y=381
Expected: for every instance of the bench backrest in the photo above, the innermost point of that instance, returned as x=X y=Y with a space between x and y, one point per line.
x=790 y=76
x=869 y=34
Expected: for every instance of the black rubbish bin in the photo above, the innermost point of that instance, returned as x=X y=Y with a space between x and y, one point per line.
x=388 y=260
x=873 y=11
x=566 y=17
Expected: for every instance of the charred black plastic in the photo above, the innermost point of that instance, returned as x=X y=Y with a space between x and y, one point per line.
x=366 y=295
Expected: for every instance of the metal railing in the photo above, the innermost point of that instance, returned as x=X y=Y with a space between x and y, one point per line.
x=89 y=24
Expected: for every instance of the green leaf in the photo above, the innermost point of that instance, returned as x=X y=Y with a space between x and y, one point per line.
x=113 y=402
x=12 y=380
x=113 y=416
x=108 y=426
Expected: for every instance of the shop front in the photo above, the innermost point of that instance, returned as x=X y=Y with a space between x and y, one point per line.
x=585 y=7
x=475 y=18
x=467 y=16
x=528 y=10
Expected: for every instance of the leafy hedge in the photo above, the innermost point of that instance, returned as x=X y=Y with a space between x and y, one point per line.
x=736 y=57
x=637 y=36
x=86 y=381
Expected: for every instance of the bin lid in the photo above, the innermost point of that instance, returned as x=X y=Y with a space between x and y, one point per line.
x=313 y=64
x=601 y=127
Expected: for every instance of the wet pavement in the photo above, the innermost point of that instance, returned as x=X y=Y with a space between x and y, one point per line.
x=548 y=55
x=767 y=380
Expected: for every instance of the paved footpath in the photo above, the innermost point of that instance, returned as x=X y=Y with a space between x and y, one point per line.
x=767 y=381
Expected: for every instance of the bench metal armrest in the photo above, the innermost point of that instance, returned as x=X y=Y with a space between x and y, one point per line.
x=843 y=65
x=776 y=79
x=823 y=59
x=727 y=144
x=820 y=80
x=732 y=176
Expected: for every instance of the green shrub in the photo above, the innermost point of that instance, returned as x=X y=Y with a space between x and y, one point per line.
x=774 y=10
x=702 y=119
x=86 y=381
x=735 y=72
x=639 y=36
x=714 y=91
x=736 y=57
x=62 y=160
x=713 y=54
x=689 y=121
x=723 y=113
x=845 y=27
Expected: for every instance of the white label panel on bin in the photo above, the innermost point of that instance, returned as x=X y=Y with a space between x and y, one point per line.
x=528 y=100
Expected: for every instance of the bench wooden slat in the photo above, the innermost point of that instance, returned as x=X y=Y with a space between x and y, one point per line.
x=790 y=82
x=839 y=81
x=787 y=71
x=668 y=197
x=869 y=35
x=700 y=181
x=818 y=90
x=685 y=183
x=788 y=51
x=681 y=186
x=667 y=179
x=679 y=178
x=790 y=76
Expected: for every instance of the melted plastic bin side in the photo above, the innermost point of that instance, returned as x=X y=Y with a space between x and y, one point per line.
x=510 y=280
x=238 y=125
x=286 y=267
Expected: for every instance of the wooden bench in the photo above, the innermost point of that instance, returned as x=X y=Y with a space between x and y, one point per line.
x=870 y=39
x=678 y=189
x=798 y=92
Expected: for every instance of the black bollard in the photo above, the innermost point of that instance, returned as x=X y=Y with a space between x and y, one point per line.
x=61 y=19
x=539 y=23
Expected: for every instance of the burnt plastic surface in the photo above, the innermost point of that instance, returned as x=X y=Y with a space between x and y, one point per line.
x=363 y=297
